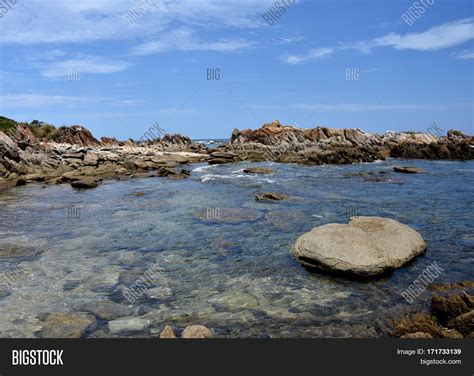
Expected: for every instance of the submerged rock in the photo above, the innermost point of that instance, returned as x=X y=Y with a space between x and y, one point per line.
x=367 y=246
x=270 y=196
x=107 y=310
x=196 y=331
x=66 y=325
x=257 y=170
x=127 y=324
x=407 y=170
x=85 y=183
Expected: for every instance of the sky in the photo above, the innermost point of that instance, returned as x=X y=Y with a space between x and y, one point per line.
x=204 y=67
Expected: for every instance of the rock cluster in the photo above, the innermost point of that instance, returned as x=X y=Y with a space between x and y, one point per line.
x=190 y=332
x=78 y=158
x=323 y=145
x=40 y=152
x=450 y=316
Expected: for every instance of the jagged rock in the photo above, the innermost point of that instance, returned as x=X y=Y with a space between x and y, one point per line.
x=75 y=135
x=417 y=323
x=320 y=145
x=168 y=332
x=446 y=309
x=112 y=141
x=367 y=246
x=464 y=323
x=8 y=148
x=270 y=196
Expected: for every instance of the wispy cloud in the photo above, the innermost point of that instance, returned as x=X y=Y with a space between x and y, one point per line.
x=443 y=36
x=362 y=107
x=83 y=65
x=36 y=100
x=313 y=54
x=95 y=20
x=446 y=35
x=184 y=39
x=465 y=55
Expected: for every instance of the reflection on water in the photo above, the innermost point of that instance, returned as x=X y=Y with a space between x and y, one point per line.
x=232 y=270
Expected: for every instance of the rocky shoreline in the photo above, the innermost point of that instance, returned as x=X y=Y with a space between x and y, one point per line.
x=41 y=153
x=321 y=145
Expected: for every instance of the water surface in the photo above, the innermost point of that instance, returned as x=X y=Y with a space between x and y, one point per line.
x=225 y=258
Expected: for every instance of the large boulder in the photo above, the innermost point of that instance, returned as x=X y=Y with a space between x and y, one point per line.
x=367 y=246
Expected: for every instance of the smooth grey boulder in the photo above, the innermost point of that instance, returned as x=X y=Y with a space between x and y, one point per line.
x=366 y=246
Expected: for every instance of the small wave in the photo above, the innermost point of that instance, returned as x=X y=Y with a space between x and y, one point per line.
x=211 y=177
x=204 y=168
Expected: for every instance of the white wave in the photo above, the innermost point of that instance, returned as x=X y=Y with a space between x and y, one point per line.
x=211 y=177
x=204 y=168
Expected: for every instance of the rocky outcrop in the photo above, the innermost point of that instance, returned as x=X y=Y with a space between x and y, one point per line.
x=367 y=246
x=445 y=309
x=323 y=145
x=77 y=157
x=450 y=316
x=75 y=135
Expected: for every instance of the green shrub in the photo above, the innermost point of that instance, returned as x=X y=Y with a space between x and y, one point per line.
x=6 y=124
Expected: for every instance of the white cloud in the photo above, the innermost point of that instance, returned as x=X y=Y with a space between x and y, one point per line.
x=446 y=35
x=184 y=39
x=443 y=36
x=465 y=55
x=65 y=21
x=313 y=54
x=83 y=65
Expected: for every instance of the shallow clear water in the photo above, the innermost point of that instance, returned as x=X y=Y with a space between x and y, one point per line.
x=225 y=258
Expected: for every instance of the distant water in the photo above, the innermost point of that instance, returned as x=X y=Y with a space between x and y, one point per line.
x=225 y=258
x=212 y=142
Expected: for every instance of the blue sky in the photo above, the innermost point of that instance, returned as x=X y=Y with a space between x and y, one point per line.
x=335 y=63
